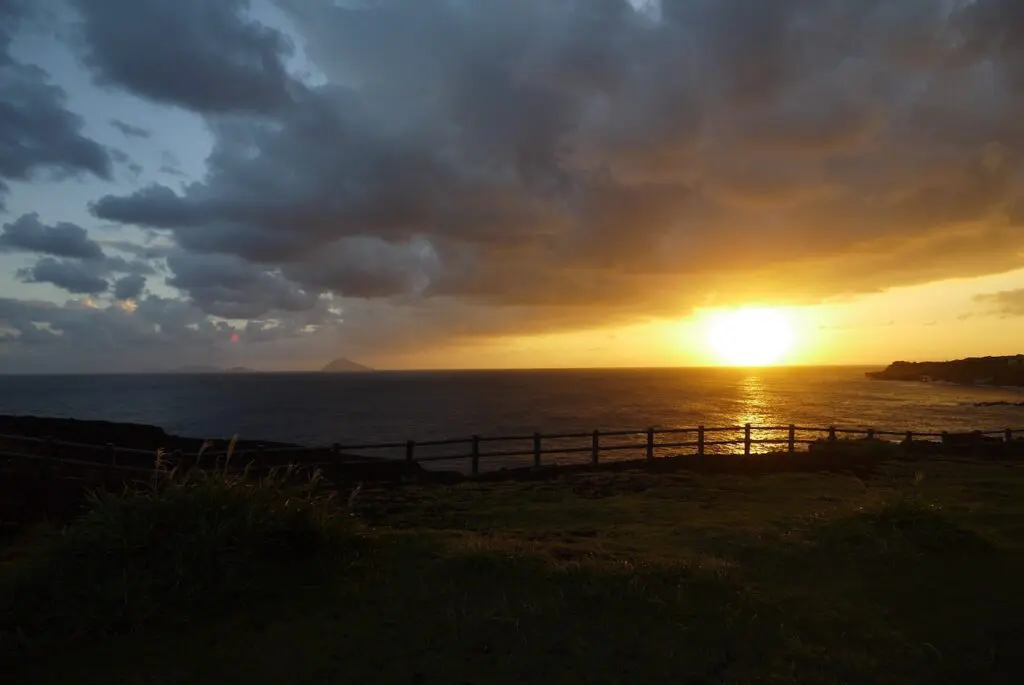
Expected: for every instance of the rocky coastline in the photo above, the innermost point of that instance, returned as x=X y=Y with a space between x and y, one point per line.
x=76 y=442
x=985 y=371
x=131 y=435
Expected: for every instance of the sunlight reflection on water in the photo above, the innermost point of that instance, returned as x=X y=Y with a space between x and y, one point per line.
x=758 y=410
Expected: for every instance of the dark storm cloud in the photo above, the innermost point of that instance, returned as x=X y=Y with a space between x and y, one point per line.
x=129 y=287
x=367 y=268
x=227 y=286
x=155 y=206
x=83 y=276
x=487 y=166
x=60 y=240
x=71 y=275
x=130 y=130
x=202 y=55
x=38 y=133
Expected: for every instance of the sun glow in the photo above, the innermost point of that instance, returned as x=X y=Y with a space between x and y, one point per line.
x=750 y=337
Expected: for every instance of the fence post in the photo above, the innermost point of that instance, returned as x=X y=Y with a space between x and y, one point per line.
x=536 y=450
x=908 y=442
x=335 y=449
x=831 y=433
x=410 y=451
x=945 y=438
x=792 y=439
x=746 y=440
x=112 y=452
x=1009 y=435
x=650 y=444
x=700 y=441
x=595 y=446
x=871 y=433
x=475 y=454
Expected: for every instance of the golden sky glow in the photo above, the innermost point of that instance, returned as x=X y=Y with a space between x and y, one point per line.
x=939 y=320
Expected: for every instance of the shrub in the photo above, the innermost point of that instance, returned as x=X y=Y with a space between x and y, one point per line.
x=168 y=549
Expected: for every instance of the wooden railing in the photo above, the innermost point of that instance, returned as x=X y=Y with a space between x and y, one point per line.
x=648 y=442
x=704 y=437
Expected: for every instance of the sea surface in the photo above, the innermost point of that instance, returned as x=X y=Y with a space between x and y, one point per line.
x=318 y=409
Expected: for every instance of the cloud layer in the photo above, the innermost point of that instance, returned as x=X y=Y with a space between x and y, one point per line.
x=491 y=167
x=38 y=133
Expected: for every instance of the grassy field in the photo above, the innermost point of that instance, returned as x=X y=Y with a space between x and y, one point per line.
x=914 y=575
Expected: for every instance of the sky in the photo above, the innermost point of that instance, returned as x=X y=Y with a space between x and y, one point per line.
x=487 y=183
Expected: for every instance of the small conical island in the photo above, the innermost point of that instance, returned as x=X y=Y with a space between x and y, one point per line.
x=343 y=365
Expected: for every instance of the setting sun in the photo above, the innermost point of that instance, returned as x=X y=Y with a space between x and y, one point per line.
x=750 y=337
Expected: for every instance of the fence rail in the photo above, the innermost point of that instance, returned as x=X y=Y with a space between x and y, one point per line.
x=595 y=443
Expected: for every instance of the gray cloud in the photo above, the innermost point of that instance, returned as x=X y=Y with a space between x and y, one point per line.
x=70 y=275
x=159 y=334
x=1006 y=303
x=368 y=268
x=155 y=206
x=201 y=55
x=80 y=276
x=38 y=134
x=129 y=287
x=130 y=130
x=61 y=240
x=156 y=334
x=228 y=286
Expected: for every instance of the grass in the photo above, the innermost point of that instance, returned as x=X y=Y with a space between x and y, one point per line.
x=159 y=552
x=912 y=576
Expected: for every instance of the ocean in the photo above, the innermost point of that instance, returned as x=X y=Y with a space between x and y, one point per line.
x=318 y=409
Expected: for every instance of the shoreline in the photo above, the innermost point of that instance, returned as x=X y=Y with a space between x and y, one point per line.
x=1006 y=372
x=119 y=433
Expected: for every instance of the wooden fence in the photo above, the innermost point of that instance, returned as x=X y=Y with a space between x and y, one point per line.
x=702 y=438
x=594 y=444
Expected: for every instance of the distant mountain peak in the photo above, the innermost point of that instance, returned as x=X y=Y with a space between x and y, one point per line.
x=343 y=365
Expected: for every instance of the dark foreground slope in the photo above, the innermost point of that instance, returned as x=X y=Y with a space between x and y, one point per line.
x=912 y=575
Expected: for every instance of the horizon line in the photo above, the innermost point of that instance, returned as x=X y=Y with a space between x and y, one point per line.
x=371 y=371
